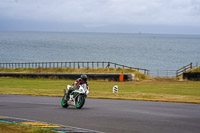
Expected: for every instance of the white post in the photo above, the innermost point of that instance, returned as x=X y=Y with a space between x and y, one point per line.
x=115 y=89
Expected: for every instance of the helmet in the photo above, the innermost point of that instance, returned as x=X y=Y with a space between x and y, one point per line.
x=84 y=77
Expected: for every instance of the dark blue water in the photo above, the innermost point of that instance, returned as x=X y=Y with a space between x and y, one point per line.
x=153 y=52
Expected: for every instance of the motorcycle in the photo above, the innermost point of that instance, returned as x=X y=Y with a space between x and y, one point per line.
x=76 y=98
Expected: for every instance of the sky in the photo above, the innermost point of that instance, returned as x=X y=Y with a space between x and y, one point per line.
x=118 y=16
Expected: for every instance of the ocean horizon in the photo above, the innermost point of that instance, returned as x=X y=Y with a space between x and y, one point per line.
x=155 y=52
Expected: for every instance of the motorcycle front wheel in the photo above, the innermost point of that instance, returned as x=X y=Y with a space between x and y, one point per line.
x=64 y=102
x=80 y=100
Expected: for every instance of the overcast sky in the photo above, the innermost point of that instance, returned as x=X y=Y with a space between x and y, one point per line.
x=145 y=16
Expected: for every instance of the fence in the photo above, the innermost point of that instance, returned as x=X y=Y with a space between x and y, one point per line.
x=184 y=69
x=163 y=73
x=69 y=65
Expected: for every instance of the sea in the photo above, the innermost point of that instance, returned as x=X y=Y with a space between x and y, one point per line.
x=155 y=52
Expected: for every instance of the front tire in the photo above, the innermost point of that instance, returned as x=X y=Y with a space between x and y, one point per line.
x=80 y=100
x=64 y=102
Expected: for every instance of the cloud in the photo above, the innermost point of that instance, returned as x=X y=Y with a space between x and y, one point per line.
x=98 y=13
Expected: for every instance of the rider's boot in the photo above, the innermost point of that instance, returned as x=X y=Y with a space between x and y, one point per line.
x=69 y=92
x=67 y=95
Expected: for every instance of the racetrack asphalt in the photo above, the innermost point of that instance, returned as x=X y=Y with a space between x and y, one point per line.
x=112 y=116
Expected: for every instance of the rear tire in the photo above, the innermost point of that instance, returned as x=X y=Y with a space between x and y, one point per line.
x=80 y=100
x=64 y=102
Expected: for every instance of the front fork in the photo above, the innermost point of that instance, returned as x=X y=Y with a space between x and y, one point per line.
x=65 y=95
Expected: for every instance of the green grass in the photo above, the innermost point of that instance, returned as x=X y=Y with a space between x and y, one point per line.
x=153 y=90
x=17 y=128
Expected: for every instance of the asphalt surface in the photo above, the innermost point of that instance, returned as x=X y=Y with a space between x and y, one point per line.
x=114 y=116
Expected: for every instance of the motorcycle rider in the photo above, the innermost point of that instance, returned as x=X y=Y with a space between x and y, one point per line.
x=79 y=81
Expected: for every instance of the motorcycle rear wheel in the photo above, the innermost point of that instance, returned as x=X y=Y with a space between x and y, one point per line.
x=80 y=100
x=64 y=102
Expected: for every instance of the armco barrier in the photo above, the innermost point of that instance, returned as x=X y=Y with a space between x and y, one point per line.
x=110 y=77
x=192 y=76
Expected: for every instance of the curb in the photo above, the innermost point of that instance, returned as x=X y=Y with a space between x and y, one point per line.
x=56 y=127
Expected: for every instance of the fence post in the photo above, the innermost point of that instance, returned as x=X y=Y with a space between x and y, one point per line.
x=78 y=65
x=108 y=65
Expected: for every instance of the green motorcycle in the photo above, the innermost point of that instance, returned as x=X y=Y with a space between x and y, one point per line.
x=76 y=98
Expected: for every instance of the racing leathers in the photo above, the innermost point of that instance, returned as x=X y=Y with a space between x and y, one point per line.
x=76 y=84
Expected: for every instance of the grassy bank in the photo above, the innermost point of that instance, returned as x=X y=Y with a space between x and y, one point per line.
x=197 y=69
x=153 y=90
x=138 y=75
x=68 y=70
x=17 y=128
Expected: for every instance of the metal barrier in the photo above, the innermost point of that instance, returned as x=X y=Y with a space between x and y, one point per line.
x=163 y=73
x=73 y=76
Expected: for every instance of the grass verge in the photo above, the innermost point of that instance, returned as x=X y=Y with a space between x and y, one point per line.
x=197 y=69
x=17 y=128
x=169 y=90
